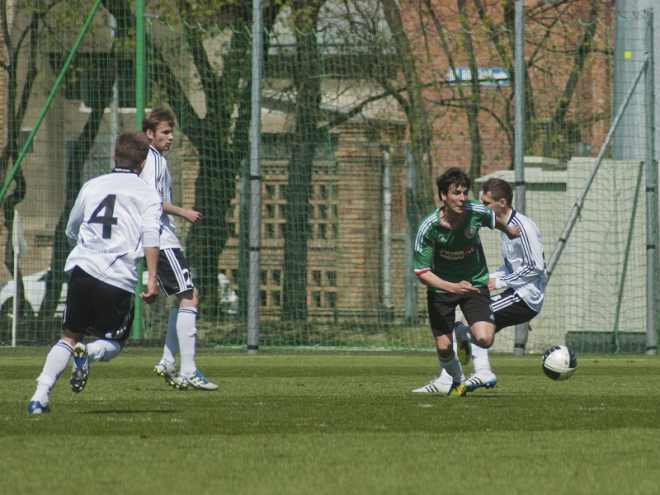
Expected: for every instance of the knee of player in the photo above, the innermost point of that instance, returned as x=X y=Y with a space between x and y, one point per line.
x=485 y=342
x=188 y=298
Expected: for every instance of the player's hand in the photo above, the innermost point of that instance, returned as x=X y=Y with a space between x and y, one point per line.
x=513 y=231
x=151 y=293
x=192 y=216
x=465 y=289
x=492 y=284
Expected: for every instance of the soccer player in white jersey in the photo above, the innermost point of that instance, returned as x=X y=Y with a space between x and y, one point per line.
x=450 y=261
x=173 y=272
x=114 y=223
x=521 y=282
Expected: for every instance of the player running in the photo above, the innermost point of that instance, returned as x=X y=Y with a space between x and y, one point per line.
x=114 y=222
x=450 y=261
x=521 y=281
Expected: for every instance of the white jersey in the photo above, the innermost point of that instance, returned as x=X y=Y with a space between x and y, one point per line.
x=156 y=173
x=524 y=263
x=114 y=218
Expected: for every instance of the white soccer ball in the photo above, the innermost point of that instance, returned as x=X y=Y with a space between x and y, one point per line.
x=559 y=363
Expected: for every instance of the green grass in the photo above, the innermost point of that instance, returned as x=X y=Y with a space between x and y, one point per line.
x=316 y=422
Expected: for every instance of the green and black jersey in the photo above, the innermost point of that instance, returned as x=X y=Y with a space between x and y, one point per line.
x=454 y=254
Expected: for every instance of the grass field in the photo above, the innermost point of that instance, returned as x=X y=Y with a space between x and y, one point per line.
x=317 y=422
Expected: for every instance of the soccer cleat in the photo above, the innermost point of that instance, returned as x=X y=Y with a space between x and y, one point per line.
x=37 y=407
x=485 y=379
x=463 y=349
x=457 y=389
x=171 y=375
x=435 y=386
x=80 y=370
x=197 y=380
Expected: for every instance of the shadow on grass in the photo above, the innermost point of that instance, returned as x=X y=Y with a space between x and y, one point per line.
x=134 y=411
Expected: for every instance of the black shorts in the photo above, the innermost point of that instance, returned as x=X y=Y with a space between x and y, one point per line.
x=173 y=273
x=98 y=309
x=442 y=310
x=509 y=309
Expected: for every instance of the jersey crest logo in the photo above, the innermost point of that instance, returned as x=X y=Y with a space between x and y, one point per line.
x=470 y=232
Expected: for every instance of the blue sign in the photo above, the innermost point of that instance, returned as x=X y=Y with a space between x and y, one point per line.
x=487 y=76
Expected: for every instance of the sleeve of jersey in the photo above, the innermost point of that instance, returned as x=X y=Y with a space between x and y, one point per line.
x=532 y=263
x=76 y=218
x=485 y=215
x=423 y=257
x=148 y=173
x=151 y=221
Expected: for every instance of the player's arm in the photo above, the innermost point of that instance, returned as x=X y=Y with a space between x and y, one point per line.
x=463 y=288
x=511 y=231
x=151 y=226
x=150 y=293
x=191 y=216
x=76 y=218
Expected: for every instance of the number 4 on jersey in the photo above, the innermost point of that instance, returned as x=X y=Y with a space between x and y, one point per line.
x=107 y=220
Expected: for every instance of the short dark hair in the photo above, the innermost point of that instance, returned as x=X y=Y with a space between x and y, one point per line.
x=131 y=149
x=498 y=189
x=157 y=116
x=454 y=176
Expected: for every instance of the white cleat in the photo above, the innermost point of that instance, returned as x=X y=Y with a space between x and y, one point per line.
x=197 y=380
x=171 y=375
x=486 y=379
x=440 y=385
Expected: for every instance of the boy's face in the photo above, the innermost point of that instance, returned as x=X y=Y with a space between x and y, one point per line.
x=455 y=199
x=499 y=207
x=162 y=138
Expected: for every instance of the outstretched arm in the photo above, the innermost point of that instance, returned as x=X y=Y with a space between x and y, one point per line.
x=511 y=231
x=191 y=216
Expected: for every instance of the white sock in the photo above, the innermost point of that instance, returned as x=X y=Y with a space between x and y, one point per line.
x=464 y=333
x=446 y=377
x=186 y=331
x=480 y=359
x=103 y=350
x=56 y=362
x=453 y=367
x=171 y=339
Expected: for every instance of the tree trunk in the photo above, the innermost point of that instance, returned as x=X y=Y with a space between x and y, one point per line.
x=297 y=211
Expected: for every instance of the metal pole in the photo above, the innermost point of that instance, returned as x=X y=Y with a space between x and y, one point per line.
x=522 y=330
x=651 y=197
x=519 y=143
x=255 y=181
x=244 y=240
x=412 y=218
x=139 y=116
x=387 y=234
x=580 y=201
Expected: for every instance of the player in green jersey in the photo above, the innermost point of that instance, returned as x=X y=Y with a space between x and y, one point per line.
x=450 y=261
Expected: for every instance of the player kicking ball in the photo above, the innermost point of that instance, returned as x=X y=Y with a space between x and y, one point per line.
x=114 y=223
x=450 y=261
x=521 y=282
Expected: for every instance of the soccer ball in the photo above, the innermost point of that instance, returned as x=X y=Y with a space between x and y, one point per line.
x=559 y=363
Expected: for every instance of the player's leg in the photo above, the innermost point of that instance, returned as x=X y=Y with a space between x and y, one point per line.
x=481 y=331
x=57 y=361
x=176 y=279
x=173 y=279
x=110 y=321
x=441 y=384
x=77 y=313
x=442 y=312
